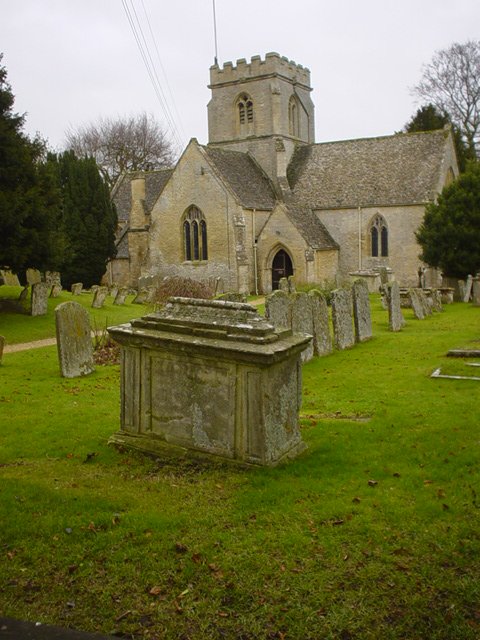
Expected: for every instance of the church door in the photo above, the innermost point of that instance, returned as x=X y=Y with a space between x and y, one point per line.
x=281 y=268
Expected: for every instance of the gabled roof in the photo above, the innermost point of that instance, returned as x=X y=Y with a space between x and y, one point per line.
x=311 y=228
x=392 y=170
x=155 y=182
x=246 y=179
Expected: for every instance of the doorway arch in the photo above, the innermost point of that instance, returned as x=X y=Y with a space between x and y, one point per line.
x=282 y=267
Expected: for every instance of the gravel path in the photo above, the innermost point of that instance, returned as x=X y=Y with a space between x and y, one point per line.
x=23 y=346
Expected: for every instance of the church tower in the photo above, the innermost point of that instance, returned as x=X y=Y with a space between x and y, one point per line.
x=263 y=107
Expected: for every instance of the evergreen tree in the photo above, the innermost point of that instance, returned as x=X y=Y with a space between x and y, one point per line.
x=429 y=118
x=29 y=201
x=89 y=218
x=450 y=233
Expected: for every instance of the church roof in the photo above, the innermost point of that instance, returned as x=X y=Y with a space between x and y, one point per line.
x=155 y=181
x=391 y=170
x=312 y=230
x=246 y=179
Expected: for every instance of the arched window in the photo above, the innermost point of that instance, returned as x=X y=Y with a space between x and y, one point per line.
x=379 y=237
x=245 y=113
x=195 y=235
x=293 y=115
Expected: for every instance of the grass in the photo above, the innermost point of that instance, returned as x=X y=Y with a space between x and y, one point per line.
x=372 y=533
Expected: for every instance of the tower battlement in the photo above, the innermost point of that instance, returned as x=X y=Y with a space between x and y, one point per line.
x=273 y=65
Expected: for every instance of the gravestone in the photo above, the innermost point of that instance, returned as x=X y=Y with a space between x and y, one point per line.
x=447 y=294
x=283 y=285
x=121 y=295
x=361 y=311
x=322 y=339
x=141 y=297
x=435 y=298
x=10 y=279
x=23 y=294
x=152 y=294
x=52 y=277
x=33 y=276
x=56 y=290
x=342 y=312
x=2 y=345
x=213 y=377
x=476 y=291
x=113 y=290
x=291 y=284
x=77 y=288
x=99 y=297
x=416 y=304
x=302 y=320
x=74 y=340
x=468 y=289
x=427 y=306
x=278 y=309
x=383 y=273
x=94 y=288
x=39 y=299
x=395 y=317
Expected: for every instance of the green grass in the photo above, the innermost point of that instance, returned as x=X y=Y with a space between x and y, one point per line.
x=374 y=532
x=21 y=327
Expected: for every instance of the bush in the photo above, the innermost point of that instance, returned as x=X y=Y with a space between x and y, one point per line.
x=182 y=287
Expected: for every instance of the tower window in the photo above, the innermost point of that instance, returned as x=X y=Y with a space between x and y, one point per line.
x=245 y=113
x=195 y=235
x=379 y=237
x=293 y=115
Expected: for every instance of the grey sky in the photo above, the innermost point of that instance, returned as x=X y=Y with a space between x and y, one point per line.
x=71 y=61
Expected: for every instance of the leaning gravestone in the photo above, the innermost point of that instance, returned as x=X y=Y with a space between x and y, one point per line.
x=23 y=294
x=302 y=320
x=322 y=339
x=9 y=278
x=121 y=295
x=141 y=297
x=416 y=304
x=292 y=288
x=395 y=317
x=427 y=307
x=77 y=288
x=113 y=290
x=278 y=309
x=39 y=299
x=468 y=289
x=342 y=319
x=361 y=311
x=99 y=297
x=56 y=290
x=436 y=298
x=74 y=340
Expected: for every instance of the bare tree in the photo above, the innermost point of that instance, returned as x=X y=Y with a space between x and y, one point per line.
x=123 y=144
x=451 y=82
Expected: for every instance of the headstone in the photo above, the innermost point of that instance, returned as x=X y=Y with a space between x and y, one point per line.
x=74 y=340
x=213 y=377
x=56 y=290
x=427 y=306
x=322 y=339
x=10 y=279
x=383 y=272
x=77 y=288
x=291 y=284
x=141 y=297
x=476 y=291
x=99 y=297
x=342 y=319
x=33 y=276
x=416 y=304
x=302 y=320
x=447 y=294
x=23 y=294
x=436 y=298
x=278 y=309
x=395 y=317
x=39 y=299
x=113 y=290
x=94 y=288
x=468 y=289
x=283 y=285
x=121 y=295
x=52 y=277
x=2 y=344
x=361 y=311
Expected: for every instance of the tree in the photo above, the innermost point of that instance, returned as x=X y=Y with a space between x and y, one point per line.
x=123 y=144
x=451 y=82
x=29 y=200
x=450 y=232
x=429 y=118
x=89 y=218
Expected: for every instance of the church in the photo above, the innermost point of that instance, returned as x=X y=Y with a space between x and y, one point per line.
x=262 y=200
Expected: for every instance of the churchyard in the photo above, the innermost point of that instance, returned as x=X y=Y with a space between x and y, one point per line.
x=372 y=532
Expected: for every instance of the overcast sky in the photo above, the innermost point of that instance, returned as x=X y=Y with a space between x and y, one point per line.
x=70 y=62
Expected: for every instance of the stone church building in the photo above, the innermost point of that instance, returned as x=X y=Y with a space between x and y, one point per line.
x=262 y=200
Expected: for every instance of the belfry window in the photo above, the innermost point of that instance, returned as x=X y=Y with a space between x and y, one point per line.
x=245 y=111
x=195 y=235
x=293 y=115
x=379 y=237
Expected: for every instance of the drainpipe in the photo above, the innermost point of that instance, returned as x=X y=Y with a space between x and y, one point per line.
x=359 y=238
x=254 y=245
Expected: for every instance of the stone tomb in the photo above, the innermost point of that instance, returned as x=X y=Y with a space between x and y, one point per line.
x=210 y=376
x=74 y=340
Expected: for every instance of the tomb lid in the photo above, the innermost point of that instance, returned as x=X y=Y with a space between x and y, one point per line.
x=211 y=319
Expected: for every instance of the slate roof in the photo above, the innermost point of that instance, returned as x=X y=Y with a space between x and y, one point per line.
x=312 y=230
x=155 y=181
x=246 y=179
x=392 y=170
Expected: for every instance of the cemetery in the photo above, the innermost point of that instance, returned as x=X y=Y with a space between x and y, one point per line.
x=358 y=517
